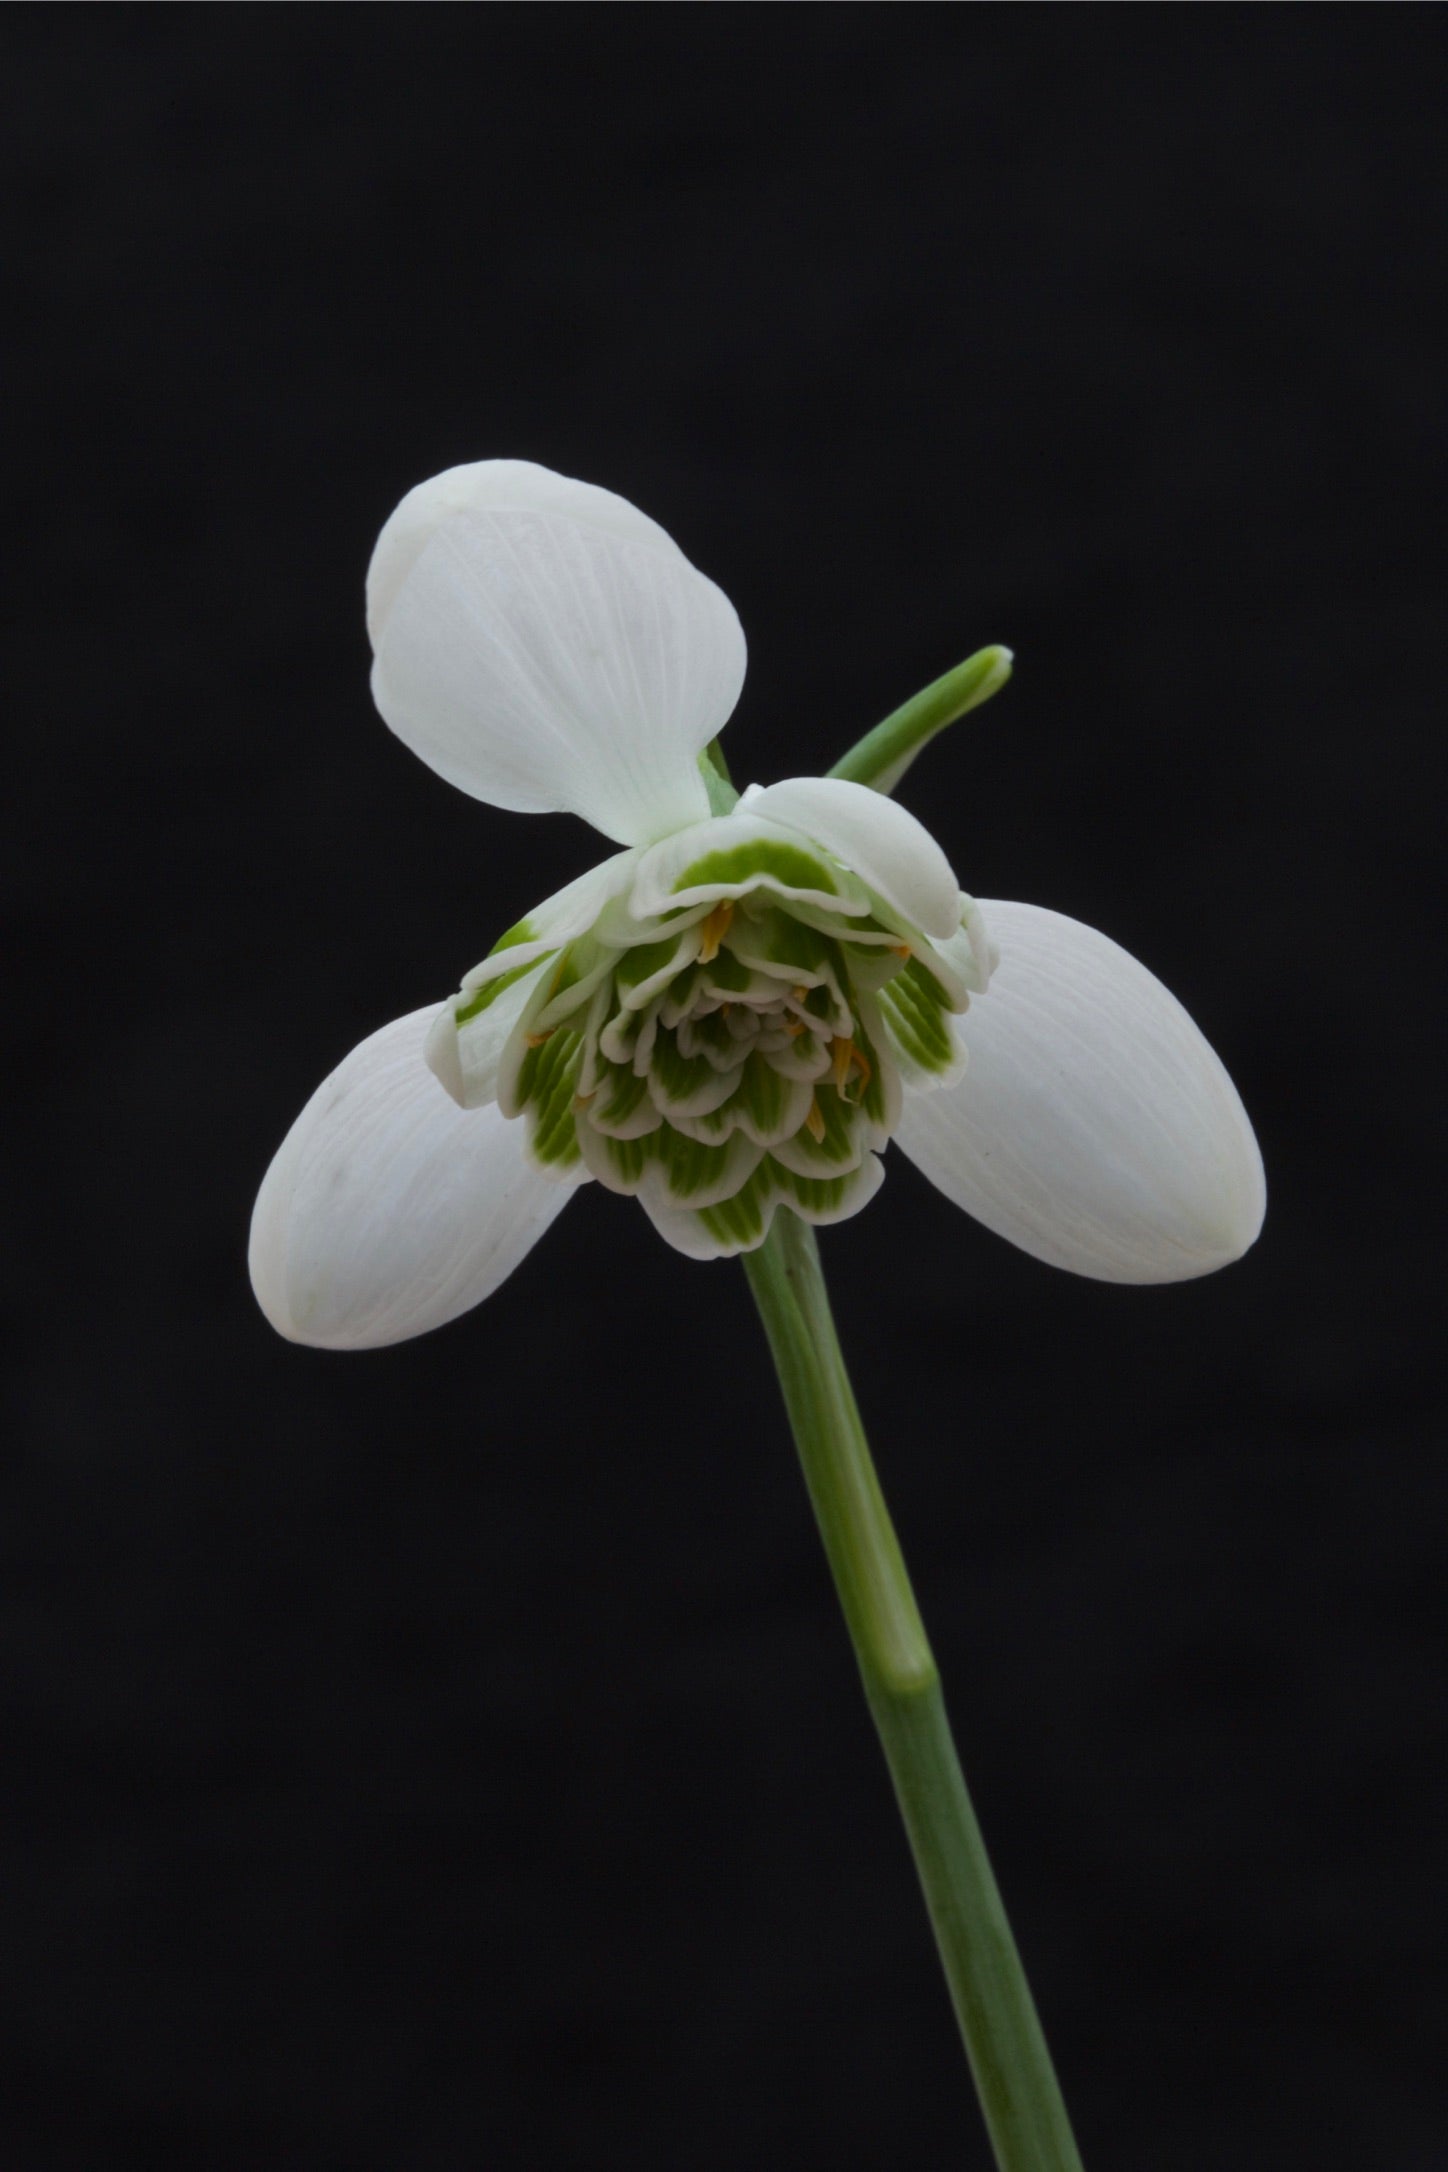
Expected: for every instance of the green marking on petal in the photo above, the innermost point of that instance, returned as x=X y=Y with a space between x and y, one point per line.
x=875 y=1096
x=934 y=971
x=765 y=859
x=833 y=1143
x=522 y=931
x=681 y=1079
x=725 y=975
x=621 y=1103
x=629 y=1158
x=491 y=990
x=913 y=1008
x=764 y=1096
x=682 y=987
x=572 y=967
x=742 y=1220
x=920 y=985
x=711 y=1127
x=548 y=1080
x=642 y=960
x=817 y=1195
x=838 y=1119
x=689 y=1165
x=581 y=970
x=539 y=1062
x=710 y=1031
x=777 y=940
x=647 y=969
x=871 y=969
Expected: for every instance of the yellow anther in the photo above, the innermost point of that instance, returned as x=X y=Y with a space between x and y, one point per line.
x=901 y=950
x=713 y=928
x=814 y=1123
x=799 y=994
x=536 y=1040
x=847 y=1060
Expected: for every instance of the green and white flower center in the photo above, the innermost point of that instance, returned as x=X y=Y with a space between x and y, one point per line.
x=725 y=1016
x=729 y=1031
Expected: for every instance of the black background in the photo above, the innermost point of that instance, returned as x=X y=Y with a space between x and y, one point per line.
x=451 y=1756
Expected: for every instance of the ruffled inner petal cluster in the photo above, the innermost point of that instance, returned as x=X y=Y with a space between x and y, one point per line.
x=730 y=1032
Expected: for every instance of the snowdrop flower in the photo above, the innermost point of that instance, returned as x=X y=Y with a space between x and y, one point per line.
x=734 y=1012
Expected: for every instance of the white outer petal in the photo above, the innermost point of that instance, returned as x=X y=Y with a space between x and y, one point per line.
x=488 y=486
x=1094 y=1126
x=879 y=839
x=547 y=664
x=387 y=1209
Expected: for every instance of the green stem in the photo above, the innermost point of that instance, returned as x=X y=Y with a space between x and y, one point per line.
x=1014 y=2078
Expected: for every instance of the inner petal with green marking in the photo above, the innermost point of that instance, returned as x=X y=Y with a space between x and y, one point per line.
x=730 y=1033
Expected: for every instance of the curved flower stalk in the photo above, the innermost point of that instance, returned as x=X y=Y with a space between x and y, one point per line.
x=739 y=1009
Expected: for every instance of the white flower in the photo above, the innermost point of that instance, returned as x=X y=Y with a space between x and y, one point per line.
x=735 y=1011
